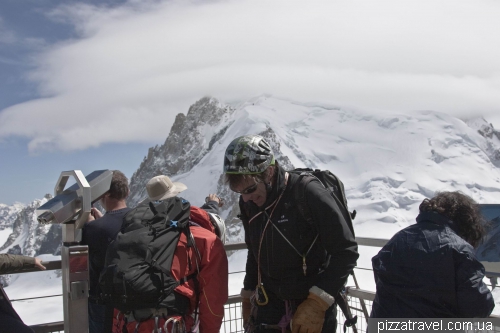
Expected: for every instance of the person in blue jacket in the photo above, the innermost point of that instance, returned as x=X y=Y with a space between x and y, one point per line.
x=429 y=269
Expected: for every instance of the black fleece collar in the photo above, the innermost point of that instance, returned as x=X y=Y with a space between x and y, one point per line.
x=436 y=218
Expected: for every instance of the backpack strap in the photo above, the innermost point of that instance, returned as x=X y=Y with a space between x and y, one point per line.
x=299 y=193
x=183 y=228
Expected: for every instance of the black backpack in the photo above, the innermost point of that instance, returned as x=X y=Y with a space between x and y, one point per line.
x=330 y=182
x=336 y=189
x=137 y=271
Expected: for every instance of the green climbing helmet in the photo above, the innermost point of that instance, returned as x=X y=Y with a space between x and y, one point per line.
x=248 y=155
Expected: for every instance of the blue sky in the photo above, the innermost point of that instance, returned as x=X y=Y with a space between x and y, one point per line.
x=92 y=84
x=25 y=176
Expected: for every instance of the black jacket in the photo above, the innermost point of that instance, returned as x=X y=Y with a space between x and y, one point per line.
x=281 y=266
x=428 y=271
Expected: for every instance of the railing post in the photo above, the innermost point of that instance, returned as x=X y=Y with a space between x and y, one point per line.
x=75 y=276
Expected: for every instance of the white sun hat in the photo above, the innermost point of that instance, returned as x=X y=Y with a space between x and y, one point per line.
x=161 y=188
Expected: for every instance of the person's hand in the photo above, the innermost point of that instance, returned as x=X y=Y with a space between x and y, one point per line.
x=38 y=263
x=214 y=197
x=94 y=214
x=310 y=315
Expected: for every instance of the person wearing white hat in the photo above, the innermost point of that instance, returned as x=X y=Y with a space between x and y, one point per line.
x=211 y=288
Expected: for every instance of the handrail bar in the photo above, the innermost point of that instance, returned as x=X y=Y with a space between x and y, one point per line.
x=56 y=264
x=492 y=268
x=49 y=265
x=376 y=242
x=360 y=293
x=48 y=327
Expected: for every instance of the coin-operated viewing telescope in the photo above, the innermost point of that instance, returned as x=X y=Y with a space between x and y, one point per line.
x=71 y=208
x=76 y=199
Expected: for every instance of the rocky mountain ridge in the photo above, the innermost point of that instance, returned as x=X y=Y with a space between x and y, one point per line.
x=194 y=148
x=190 y=138
x=8 y=214
x=28 y=237
x=491 y=135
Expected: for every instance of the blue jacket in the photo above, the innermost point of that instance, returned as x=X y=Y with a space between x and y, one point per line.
x=427 y=271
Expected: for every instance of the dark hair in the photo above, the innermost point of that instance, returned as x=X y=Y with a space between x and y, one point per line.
x=119 y=186
x=234 y=180
x=462 y=210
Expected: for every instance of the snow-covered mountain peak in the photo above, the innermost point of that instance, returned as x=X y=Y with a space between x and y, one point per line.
x=388 y=161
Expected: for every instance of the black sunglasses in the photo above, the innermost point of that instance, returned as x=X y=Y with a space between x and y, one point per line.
x=249 y=190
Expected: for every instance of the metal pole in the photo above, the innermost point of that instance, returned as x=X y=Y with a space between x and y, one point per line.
x=75 y=277
x=361 y=301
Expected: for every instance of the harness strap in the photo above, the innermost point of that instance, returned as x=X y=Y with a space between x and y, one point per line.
x=259 y=275
x=287 y=317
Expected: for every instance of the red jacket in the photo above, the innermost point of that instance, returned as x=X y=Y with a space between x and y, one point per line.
x=212 y=279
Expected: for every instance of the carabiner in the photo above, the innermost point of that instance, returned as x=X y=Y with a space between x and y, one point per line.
x=165 y=325
x=261 y=292
x=157 y=328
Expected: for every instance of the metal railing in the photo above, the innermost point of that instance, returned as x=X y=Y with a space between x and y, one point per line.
x=232 y=322
x=359 y=300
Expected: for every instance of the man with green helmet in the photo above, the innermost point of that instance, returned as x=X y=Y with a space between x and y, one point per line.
x=294 y=268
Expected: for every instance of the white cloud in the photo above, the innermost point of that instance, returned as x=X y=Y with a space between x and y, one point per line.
x=136 y=66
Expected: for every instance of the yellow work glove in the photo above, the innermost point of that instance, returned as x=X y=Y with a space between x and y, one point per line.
x=246 y=305
x=310 y=315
